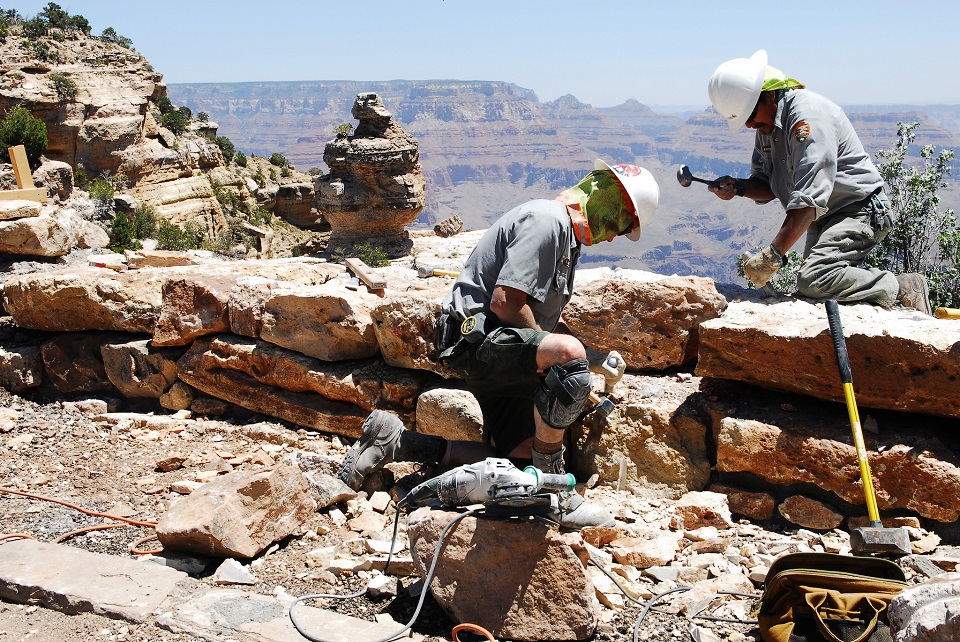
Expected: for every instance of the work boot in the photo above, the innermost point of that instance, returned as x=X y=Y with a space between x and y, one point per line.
x=384 y=440
x=914 y=292
x=574 y=512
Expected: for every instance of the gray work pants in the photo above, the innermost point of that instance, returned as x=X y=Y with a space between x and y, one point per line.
x=835 y=248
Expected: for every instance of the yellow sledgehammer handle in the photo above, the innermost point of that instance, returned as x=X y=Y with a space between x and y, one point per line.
x=947 y=313
x=846 y=377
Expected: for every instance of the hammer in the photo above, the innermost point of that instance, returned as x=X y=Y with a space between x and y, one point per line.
x=423 y=271
x=874 y=538
x=603 y=405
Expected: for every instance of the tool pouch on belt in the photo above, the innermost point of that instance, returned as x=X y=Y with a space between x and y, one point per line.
x=826 y=597
x=452 y=337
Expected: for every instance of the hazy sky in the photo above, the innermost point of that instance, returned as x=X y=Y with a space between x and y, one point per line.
x=661 y=52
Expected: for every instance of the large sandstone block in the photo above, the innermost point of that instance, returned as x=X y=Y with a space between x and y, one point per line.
x=912 y=465
x=139 y=370
x=900 y=360
x=89 y=298
x=21 y=368
x=328 y=321
x=534 y=589
x=404 y=329
x=652 y=433
x=50 y=235
x=651 y=320
x=333 y=397
x=73 y=362
x=238 y=514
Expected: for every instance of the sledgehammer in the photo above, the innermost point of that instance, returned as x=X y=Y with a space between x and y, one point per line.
x=874 y=538
x=423 y=271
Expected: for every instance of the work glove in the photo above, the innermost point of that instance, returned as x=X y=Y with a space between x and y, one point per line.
x=760 y=267
x=610 y=364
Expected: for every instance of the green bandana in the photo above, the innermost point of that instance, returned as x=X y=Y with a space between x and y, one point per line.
x=774 y=80
x=601 y=200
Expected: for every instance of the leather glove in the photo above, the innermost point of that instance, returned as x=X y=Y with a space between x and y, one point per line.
x=611 y=365
x=760 y=267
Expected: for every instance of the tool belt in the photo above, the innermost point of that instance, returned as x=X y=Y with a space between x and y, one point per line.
x=826 y=597
x=452 y=337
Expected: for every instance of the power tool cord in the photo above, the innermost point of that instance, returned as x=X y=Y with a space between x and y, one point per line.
x=648 y=605
x=423 y=594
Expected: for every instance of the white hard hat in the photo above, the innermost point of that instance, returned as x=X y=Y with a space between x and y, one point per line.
x=735 y=87
x=643 y=191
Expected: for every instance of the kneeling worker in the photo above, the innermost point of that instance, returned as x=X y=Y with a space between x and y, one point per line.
x=501 y=330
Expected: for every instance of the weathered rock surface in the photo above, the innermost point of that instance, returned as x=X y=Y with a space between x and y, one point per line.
x=650 y=320
x=75 y=299
x=50 y=234
x=138 y=370
x=650 y=435
x=927 y=612
x=375 y=187
x=911 y=465
x=334 y=397
x=239 y=514
x=901 y=360
x=535 y=589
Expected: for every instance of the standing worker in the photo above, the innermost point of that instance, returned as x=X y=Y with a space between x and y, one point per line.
x=500 y=329
x=807 y=155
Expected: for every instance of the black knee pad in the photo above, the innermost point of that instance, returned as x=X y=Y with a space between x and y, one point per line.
x=563 y=393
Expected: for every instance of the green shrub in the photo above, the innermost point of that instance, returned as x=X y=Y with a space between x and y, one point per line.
x=172 y=237
x=101 y=190
x=226 y=148
x=175 y=121
x=163 y=104
x=35 y=28
x=65 y=86
x=343 y=130
x=144 y=222
x=203 y=117
x=186 y=111
x=285 y=171
x=260 y=179
x=278 y=159
x=80 y=178
x=372 y=255
x=122 y=235
x=80 y=23
x=19 y=127
x=240 y=159
x=110 y=35
x=56 y=16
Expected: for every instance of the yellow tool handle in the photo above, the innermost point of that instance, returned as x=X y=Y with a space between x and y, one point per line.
x=846 y=377
x=947 y=313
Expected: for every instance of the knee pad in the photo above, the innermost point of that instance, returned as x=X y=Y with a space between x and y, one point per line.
x=563 y=393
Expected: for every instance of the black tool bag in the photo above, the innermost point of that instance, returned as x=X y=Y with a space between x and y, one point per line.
x=826 y=597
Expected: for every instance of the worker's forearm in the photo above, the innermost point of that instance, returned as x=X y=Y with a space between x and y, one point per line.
x=794 y=226
x=755 y=189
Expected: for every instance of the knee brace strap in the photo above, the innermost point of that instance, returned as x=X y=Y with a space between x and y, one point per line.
x=563 y=393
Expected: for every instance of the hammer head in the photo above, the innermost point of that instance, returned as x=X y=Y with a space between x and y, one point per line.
x=684 y=177
x=424 y=271
x=604 y=406
x=866 y=540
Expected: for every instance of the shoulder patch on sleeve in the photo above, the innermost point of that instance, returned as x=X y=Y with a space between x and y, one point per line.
x=801 y=131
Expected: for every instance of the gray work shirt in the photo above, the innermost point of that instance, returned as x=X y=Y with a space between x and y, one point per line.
x=530 y=248
x=813 y=157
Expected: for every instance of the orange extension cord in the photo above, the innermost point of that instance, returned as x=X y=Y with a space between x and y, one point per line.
x=126 y=522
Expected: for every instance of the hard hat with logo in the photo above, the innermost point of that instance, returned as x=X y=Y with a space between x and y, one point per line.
x=735 y=87
x=642 y=189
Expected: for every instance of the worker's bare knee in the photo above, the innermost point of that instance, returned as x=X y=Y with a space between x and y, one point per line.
x=557 y=349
